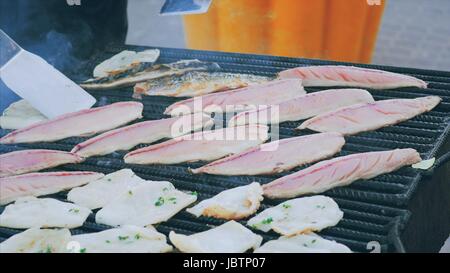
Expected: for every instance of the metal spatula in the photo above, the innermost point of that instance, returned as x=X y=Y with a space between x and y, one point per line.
x=180 y=7
x=39 y=83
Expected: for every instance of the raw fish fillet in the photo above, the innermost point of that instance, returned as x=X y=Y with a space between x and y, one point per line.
x=36 y=184
x=272 y=92
x=127 y=137
x=81 y=123
x=303 y=107
x=337 y=75
x=371 y=116
x=286 y=154
x=207 y=145
x=340 y=171
x=26 y=161
x=195 y=83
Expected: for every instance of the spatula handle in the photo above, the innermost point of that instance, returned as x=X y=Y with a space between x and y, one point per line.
x=8 y=48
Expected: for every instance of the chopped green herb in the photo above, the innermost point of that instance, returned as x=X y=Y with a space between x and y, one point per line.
x=108 y=241
x=305 y=245
x=267 y=221
x=130 y=192
x=165 y=189
x=313 y=241
x=48 y=249
x=254 y=226
x=109 y=179
x=194 y=193
x=123 y=238
x=74 y=210
x=320 y=207
x=159 y=202
x=286 y=206
x=137 y=236
x=83 y=250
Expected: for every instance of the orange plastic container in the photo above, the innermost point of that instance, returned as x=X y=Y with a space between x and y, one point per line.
x=343 y=30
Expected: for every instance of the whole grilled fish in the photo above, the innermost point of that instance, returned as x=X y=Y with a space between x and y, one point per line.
x=272 y=92
x=370 y=116
x=277 y=156
x=26 y=161
x=340 y=171
x=37 y=184
x=303 y=107
x=207 y=145
x=337 y=75
x=195 y=83
x=141 y=73
x=127 y=137
x=81 y=123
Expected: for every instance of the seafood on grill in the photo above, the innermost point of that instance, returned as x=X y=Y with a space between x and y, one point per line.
x=277 y=156
x=206 y=145
x=338 y=75
x=303 y=107
x=37 y=184
x=272 y=92
x=80 y=123
x=28 y=212
x=370 y=116
x=25 y=161
x=36 y=240
x=299 y=216
x=302 y=243
x=142 y=73
x=340 y=171
x=233 y=204
x=195 y=83
x=230 y=237
x=125 y=239
x=100 y=192
x=127 y=137
x=20 y=114
x=126 y=60
x=148 y=203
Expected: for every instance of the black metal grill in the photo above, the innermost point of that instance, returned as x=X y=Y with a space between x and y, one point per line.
x=374 y=210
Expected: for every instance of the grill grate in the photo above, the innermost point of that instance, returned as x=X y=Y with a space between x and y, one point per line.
x=374 y=210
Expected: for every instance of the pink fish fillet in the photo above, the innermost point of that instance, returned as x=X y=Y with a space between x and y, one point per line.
x=26 y=161
x=303 y=107
x=150 y=131
x=207 y=145
x=272 y=92
x=332 y=75
x=277 y=156
x=37 y=184
x=371 y=116
x=340 y=171
x=81 y=123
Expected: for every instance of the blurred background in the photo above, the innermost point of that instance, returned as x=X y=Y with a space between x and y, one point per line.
x=411 y=33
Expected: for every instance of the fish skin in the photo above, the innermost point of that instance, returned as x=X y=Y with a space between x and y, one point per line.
x=81 y=123
x=271 y=92
x=371 y=116
x=340 y=171
x=195 y=83
x=127 y=137
x=143 y=73
x=207 y=145
x=291 y=152
x=338 y=75
x=305 y=106
x=37 y=184
x=25 y=161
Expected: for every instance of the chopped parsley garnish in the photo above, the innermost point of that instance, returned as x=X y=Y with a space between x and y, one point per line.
x=74 y=210
x=48 y=249
x=194 y=193
x=108 y=241
x=305 y=245
x=109 y=179
x=130 y=192
x=313 y=241
x=267 y=221
x=137 y=236
x=123 y=238
x=83 y=250
x=320 y=207
x=159 y=202
x=286 y=206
